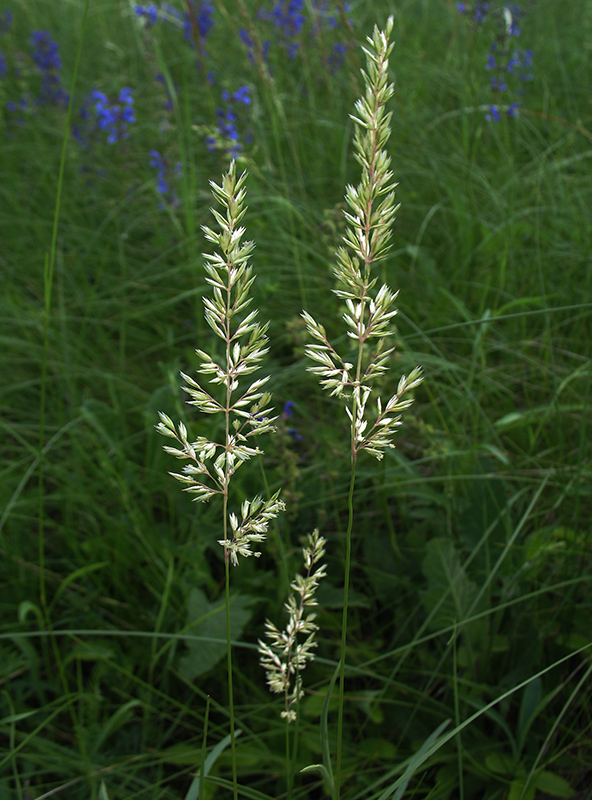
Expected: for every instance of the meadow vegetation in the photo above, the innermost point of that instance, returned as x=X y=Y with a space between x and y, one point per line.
x=458 y=665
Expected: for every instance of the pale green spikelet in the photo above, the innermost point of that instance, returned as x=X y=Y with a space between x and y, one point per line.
x=369 y=313
x=246 y=408
x=285 y=657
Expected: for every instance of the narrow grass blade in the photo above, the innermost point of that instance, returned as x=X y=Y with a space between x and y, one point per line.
x=325 y=768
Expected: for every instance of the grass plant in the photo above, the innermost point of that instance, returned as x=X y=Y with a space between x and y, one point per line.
x=464 y=637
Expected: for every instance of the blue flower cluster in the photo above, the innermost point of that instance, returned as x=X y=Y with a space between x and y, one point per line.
x=477 y=10
x=45 y=65
x=195 y=23
x=247 y=40
x=5 y=25
x=506 y=63
x=168 y=103
x=163 y=171
x=46 y=57
x=99 y=116
x=5 y=21
x=290 y=19
x=288 y=413
x=227 y=136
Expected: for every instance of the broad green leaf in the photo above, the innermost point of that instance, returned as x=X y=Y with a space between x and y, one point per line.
x=553 y=784
x=450 y=593
x=518 y=792
x=208 y=620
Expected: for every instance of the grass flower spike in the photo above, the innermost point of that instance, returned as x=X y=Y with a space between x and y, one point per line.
x=212 y=464
x=368 y=313
x=285 y=658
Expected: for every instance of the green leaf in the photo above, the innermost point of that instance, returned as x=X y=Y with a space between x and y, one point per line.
x=518 y=792
x=90 y=651
x=325 y=769
x=78 y=573
x=413 y=764
x=114 y=723
x=529 y=709
x=193 y=791
x=501 y=763
x=450 y=593
x=104 y=420
x=553 y=784
x=535 y=415
x=25 y=607
x=207 y=625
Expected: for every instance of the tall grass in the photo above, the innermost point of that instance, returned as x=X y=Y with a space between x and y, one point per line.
x=466 y=668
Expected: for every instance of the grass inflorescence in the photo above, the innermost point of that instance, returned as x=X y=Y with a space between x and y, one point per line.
x=436 y=641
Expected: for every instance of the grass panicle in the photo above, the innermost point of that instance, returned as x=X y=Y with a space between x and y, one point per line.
x=284 y=658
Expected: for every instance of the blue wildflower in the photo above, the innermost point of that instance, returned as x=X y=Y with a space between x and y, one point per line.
x=5 y=21
x=46 y=56
x=288 y=17
x=168 y=104
x=250 y=45
x=288 y=413
x=497 y=85
x=162 y=177
x=513 y=110
x=494 y=115
x=336 y=58
x=157 y=162
x=149 y=13
x=19 y=107
x=99 y=114
x=480 y=14
x=242 y=95
x=228 y=136
x=197 y=22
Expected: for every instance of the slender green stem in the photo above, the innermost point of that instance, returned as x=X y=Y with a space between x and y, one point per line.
x=202 y=766
x=289 y=776
x=229 y=665
x=348 y=536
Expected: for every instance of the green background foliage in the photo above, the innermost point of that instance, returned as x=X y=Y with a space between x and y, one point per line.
x=471 y=577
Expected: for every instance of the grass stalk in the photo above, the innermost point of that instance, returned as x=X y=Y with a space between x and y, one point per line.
x=229 y=670
x=343 y=648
